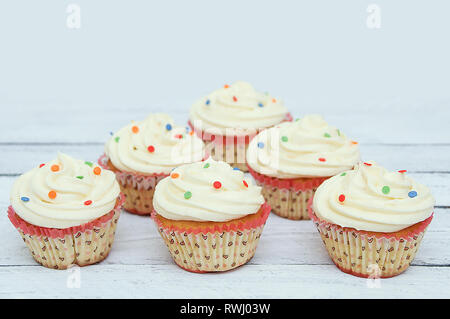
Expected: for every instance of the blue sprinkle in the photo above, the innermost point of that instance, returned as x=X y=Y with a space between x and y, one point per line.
x=25 y=199
x=236 y=168
x=260 y=105
x=188 y=129
x=207 y=102
x=260 y=144
x=412 y=194
x=168 y=127
x=111 y=133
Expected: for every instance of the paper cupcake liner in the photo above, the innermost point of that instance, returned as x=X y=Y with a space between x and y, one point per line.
x=231 y=149
x=370 y=254
x=287 y=197
x=137 y=189
x=213 y=248
x=82 y=245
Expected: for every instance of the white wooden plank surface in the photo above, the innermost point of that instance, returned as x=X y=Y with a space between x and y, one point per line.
x=290 y=261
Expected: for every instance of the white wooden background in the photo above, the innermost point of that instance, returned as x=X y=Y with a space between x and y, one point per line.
x=65 y=89
x=290 y=261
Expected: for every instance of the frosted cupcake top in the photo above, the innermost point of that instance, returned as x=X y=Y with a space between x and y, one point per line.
x=153 y=146
x=235 y=108
x=308 y=147
x=63 y=193
x=206 y=191
x=373 y=199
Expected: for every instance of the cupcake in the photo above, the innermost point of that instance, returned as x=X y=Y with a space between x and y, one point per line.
x=142 y=153
x=292 y=159
x=371 y=220
x=210 y=216
x=66 y=212
x=228 y=118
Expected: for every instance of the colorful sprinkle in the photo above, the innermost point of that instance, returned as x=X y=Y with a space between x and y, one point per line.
x=191 y=133
x=274 y=100
x=342 y=198
x=52 y=194
x=42 y=165
x=322 y=159
x=88 y=164
x=412 y=194
x=175 y=175
x=386 y=189
x=354 y=142
x=80 y=177
x=297 y=119
x=25 y=199
x=88 y=202
x=117 y=139
x=135 y=129
x=206 y=165
x=236 y=169
x=284 y=138
x=151 y=148
x=367 y=164
x=226 y=86
x=168 y=127
x=402 y=171
x=339 y=132
x=97 y=170
x=343 y=174
x=179 y=136
x=217 y=184
x=111 y=133
x=260 y=104
x=54 y=168
x=326 y=135
x=260 y=144
x=187 y=195
x=234 y=99
x=245 y=183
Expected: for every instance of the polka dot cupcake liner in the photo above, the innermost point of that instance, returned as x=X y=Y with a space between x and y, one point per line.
x=81 y=245
x=212 y=247
x=370 y=254
x=137 y=189
x=288 y=197
x=231 y=149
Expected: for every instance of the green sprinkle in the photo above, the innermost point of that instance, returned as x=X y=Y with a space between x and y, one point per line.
x=80 y=177
x=297 y=119
x=117 y=139
x=284 y=138
x=343 y=174
x=327 y=135
x=206 y=165
x=386 y=189
x=88 y=164
x=339 y=132
x=187 y=195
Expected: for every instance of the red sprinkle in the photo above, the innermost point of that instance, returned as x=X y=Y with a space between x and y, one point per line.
x=322 y=159
x=342 y=198
x=217 y=184
x=41 y=165
x=245 y=183
x=234 y=99
x=179 y=136
x=368 y=164
x=151 y=148
x=402 y=171
x=88 y=202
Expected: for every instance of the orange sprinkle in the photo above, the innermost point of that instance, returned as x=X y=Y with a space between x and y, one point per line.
x=274 y=100
x=353 y=142
x=135 y=129
x=52 y=194
x=175 y=175
x=226 y=86
x=54 y=168
x=97 y=170
x=191 y=133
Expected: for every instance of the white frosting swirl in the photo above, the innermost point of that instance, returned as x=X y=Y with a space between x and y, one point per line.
x=153 y=146
x=373 y=199
x=236 y=197
x=80 y=194
x=233 y=109
x=308 y=147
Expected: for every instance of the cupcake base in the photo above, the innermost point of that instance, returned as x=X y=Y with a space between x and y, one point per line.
x=288 y=197
x=82 y=245
x=370 y=254
x=137 y=189
x=209 y=246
